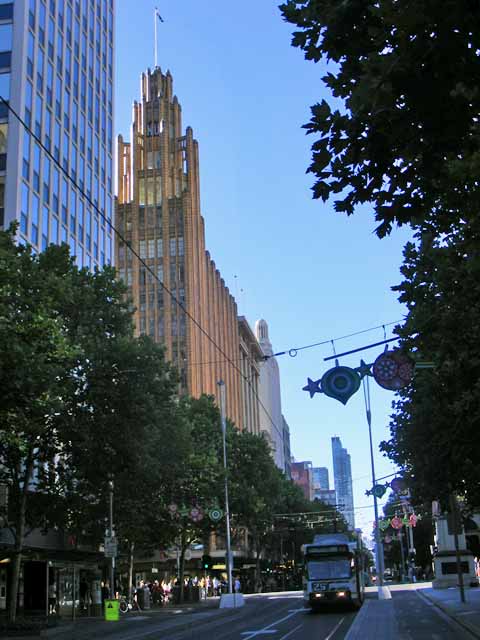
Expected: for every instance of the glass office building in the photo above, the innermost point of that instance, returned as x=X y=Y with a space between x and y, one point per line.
x=56 y=71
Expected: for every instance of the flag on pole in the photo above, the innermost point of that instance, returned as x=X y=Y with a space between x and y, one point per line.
x=158 y=15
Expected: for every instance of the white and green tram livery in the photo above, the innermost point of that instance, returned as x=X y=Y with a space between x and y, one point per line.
x=333 y=571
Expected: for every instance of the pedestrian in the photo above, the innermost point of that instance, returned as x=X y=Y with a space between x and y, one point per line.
x=84 y=600
x=237 y=587
x=105 y=593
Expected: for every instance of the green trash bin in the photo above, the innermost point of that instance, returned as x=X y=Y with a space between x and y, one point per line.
x=112 y=610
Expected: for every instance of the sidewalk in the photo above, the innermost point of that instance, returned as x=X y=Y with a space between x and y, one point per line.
x=377 y=618
x=448 y=600
x=170 y=617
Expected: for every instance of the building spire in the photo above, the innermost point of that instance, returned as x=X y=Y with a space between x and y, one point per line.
x=155 y=16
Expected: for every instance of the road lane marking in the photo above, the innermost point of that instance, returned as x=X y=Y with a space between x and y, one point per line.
x=292 y=631
x=276 y=622
x=334 y=630
x=262 y=632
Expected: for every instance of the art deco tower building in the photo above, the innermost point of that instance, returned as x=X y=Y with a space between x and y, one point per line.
x=158 y=214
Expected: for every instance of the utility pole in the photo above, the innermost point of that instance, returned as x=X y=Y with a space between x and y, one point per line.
x=453 y=508
x=221 y=385
x=378 y=543
x=112 y=536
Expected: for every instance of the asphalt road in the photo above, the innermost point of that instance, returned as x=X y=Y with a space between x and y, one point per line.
x=276 y=616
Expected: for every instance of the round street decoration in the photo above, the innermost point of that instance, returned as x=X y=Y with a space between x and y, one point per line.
x=196 y=514
x=340 y=383
x=384 y=524
x=215 y=514
x=396 y=523
x=393 y=370
x=398 y=485
x=379 y=490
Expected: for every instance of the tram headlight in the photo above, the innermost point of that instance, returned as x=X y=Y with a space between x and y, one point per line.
x=341 y=594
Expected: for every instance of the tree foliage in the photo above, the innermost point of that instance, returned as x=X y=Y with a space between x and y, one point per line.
x=406 y=136
x=81 y=396
x=434 y=428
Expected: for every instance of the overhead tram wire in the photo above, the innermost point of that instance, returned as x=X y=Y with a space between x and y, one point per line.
x=293 y=352
x=139 y=258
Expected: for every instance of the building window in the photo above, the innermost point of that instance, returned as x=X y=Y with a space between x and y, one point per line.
x=24 y=210
x=58 y=97
x=35 y=213
x=80 y=221
x=36 y=167
x=6 y=11
x=73 y=211
x=51 y=37
x=56 y=141
x=66 y=150
x=54 y=230
x=28 y=103
x=56 y=190
x=38 y=116
x=49 y=84
x=40 y=58
x=5 y=60
x=64 y=201
x=44 y=228
x=3 y=146
x=30 y=51
x=46 y=180
x=141 y=191
x=4 y=93
x=26 y=156
x=48 y=125
x=42 y=16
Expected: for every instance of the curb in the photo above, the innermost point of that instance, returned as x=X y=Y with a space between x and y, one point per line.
x=462 y=623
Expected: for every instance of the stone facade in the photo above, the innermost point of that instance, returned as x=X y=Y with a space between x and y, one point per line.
x=158 y=215
x=251 y=358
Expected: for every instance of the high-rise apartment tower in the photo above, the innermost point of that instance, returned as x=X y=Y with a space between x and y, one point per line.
x=56 y=71
x=158 y=213
x=342 y=472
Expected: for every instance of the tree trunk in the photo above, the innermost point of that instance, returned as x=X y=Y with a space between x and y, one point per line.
x=258 y=572
x=19 y=540
x=130 y=569
x=181 y=568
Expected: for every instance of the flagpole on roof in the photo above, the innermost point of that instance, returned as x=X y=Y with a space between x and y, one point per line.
x=155 y=21
x=156 y=17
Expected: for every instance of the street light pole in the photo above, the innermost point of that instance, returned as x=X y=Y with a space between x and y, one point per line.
x=112 y=535
x=378 y=543
x=221 y=385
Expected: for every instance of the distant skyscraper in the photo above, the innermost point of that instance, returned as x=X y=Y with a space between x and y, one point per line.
x=320 y=478
x=56 y=71
x=342 y=473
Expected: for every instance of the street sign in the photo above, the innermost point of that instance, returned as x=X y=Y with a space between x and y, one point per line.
x=110 y=547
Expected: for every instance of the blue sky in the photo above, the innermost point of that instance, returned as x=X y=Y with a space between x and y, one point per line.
x=313 y=274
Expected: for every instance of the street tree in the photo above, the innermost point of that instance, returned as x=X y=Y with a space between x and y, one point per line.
x=81 y=396
x=400 y=130
x=434 y=427
x=197 y=484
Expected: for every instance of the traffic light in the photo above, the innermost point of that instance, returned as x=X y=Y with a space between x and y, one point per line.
x=207 y=561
